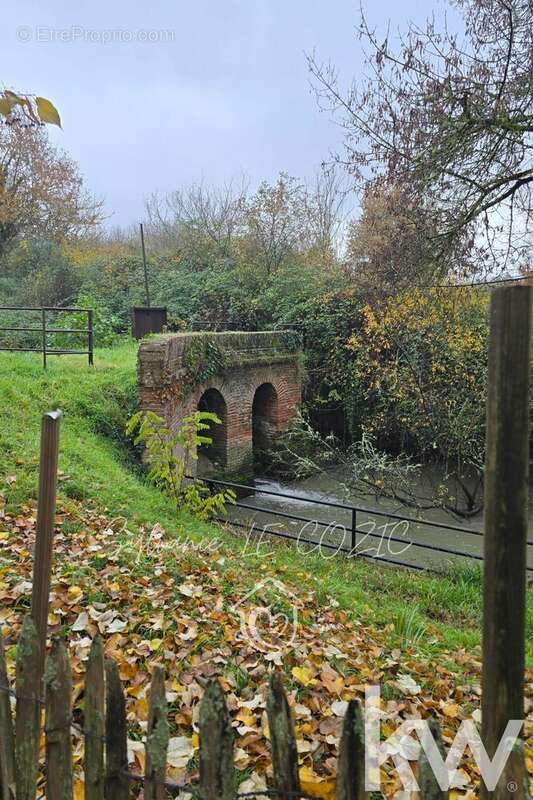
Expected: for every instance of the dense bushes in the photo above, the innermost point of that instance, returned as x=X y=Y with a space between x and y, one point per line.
x=406 y=368
x=409 y=369
x=422 y=359
x=37 y=274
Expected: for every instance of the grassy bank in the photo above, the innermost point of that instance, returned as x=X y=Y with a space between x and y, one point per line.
x=438 y=613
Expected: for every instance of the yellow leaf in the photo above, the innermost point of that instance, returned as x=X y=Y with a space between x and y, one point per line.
x=303 y=675
x=333 y=683
x=75 y=591
x=47 y=111
x=195 y=741
x=5 y=106
x=3 y=534
x=451 y=709
x=315 y=785
x=306 y=774
x=136 y=691
x=305 y=729
x=245 y=716
x=13 y=97
x=79 y=789
x=141 y=709
x=155 y=644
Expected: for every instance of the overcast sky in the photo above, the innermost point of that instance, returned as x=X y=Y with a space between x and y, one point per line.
x=184 y=91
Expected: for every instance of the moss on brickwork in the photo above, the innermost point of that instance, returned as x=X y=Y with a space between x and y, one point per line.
x=195 y=357
x=201 y=361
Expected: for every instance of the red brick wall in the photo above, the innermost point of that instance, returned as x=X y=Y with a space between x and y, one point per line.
x=162 y=392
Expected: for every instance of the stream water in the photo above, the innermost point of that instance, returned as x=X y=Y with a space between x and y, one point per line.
x=380 y=534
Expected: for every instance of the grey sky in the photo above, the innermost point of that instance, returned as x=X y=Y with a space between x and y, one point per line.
x=227 y=93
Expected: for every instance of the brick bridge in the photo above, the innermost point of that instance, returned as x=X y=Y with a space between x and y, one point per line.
x=252 y=381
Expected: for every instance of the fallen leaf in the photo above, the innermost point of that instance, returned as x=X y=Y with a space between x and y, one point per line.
x=304 y=676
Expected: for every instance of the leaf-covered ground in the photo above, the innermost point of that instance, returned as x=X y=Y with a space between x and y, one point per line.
x=156 y=599
x=134 y=573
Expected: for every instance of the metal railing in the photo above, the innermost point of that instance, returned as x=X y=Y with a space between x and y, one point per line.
x=352 y=528
x=43 y=330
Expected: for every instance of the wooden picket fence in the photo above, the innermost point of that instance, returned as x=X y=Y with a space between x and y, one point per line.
x=107 y=774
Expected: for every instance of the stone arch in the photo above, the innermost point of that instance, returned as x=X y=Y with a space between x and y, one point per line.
x=265 y=419
x=246 y=361
x=214 y=456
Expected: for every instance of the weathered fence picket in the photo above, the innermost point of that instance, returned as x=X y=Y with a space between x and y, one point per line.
x=217 y=778
x=116 y=781
x=350 y=784
x=58 y=693
x=28 y=711
x=157 y=736
x=7 y=745
x=283 y=741
x=44 y=539
x=94 y=727
x=506 y=527
x=427 y=780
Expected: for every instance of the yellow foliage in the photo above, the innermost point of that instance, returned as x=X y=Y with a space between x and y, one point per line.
x=304 y=676
x=420 y=358
x=315 y=785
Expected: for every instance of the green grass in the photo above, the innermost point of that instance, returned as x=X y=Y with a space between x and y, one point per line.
x=98 y=464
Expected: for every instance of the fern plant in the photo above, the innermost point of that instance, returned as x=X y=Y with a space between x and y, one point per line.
x=170 y=454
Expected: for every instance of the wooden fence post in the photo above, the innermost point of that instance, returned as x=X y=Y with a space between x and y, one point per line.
x=117 y=785
x=350 y=784
x=94 y=722
x=283 y=741
x=506 y=523
x=28 y=711
x=7 y=742
x=58 y=688
x=217 y=772
x=157 y=735
x=42 y=568
x=427 y=780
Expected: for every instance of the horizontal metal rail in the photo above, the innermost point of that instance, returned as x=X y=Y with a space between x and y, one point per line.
x=49 y=330
x=348 y=508
x=380 y=557
x=285 y=535
x=44 y=308
x=353 y=530
x=389 y=537
x=48 y=352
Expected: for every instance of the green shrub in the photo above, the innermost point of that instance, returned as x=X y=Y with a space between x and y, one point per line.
x=169 y=456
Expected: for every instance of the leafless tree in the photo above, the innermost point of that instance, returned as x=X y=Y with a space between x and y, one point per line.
x=263 y=228
x=449 y=117
x=394 y=243
x=197 y=212
x=274 y=218
x=327 y=206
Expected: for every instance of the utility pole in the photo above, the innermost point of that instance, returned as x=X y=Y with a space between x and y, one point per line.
x=146 y=289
